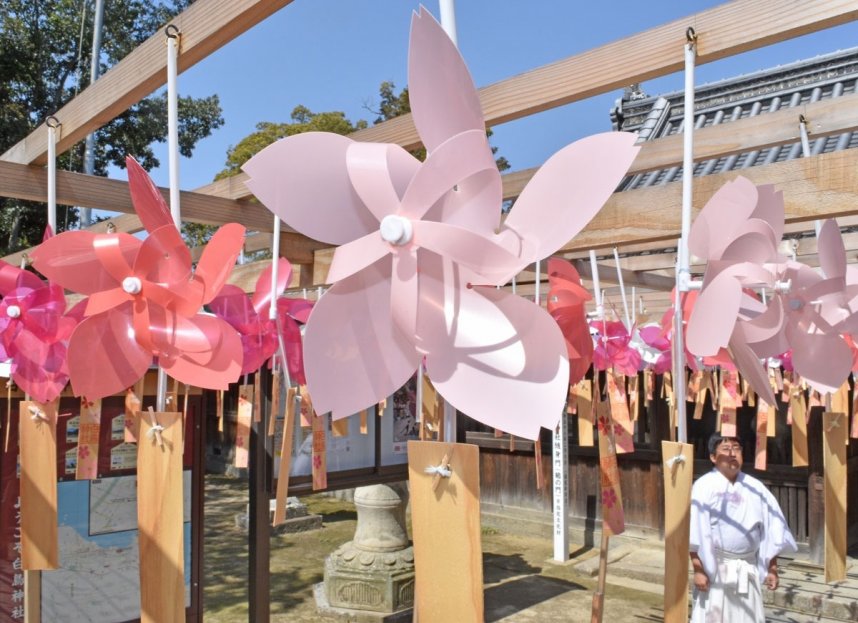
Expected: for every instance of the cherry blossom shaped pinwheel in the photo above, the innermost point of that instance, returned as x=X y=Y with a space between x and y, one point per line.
x=656 y=353
x=737 y=233
x=34 y=332
x=418 y=243
x=144 y=299
x=249 y=316
x=566 y=300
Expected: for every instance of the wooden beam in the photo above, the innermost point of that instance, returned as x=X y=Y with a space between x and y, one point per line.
x=815 y=187
x=722 y=31
x=30 y=182
x=630 y=277
x=205 y=26
x=825 y=118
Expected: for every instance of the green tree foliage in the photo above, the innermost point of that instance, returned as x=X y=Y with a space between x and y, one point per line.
x=45 y=51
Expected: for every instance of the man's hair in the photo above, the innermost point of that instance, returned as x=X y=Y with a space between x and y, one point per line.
x=716 y=439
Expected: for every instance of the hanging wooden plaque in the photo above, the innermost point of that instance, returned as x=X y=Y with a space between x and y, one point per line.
x=834 y=457
x=38 y=439
x=320 y=459
x=613 y=517
x=678 y=476
x=446 y=526
x=623 y=426
x=761 y=439
x=799 y=429
x=285 y=458
x=242 y=425
x=87 y=442
x=160 y=519
x=584 y=407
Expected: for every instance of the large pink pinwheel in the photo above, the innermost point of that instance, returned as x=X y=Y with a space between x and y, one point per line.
x=566 y=300
x=144 y=299
x=34 y=332
x=417 y=240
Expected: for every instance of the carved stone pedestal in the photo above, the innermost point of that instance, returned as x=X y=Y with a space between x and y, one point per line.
x=375 y=571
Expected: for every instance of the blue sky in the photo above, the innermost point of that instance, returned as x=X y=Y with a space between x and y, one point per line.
x=333 y=54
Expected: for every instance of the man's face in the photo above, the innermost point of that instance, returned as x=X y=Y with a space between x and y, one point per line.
x=728 y=458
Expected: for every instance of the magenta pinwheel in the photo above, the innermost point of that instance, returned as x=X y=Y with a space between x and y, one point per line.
x=291 y=315
x=614 y=349
x=418 y=243
x=34 y=332
x=144 y=299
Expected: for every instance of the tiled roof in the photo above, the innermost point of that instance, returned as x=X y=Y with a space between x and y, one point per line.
x=793 y=85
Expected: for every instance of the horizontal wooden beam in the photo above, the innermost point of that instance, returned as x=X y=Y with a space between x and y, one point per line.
x=205 y=26
x=631 y=278
x=817 y=187
x=29 y=182
x=722 y=31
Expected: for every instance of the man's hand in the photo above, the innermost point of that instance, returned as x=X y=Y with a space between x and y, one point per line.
x=701 y=581
x=772 y=579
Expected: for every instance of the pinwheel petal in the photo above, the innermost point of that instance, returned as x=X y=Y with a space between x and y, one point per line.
x=503 y=362
x=210 y=354
x=103 y=356
x=261 y=297
x=714 y=228
x=164 y=258
x=218 y=258
x=12 y=277
x=233 y=306
x=73 y=260
x=354 y=355
x=714 y=315
x=147 y=199
x=444 y=101
x=823 y=360
x=832 y=253
x=380 y=174
x=38 y=367
x=752 y=369
x=298 y=309
x=567 y=192
x=304 y=180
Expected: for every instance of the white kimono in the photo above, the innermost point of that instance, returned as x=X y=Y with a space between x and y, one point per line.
x=736 y=529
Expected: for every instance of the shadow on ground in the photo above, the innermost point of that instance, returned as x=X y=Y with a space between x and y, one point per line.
x=508 y=598
x=500 y=567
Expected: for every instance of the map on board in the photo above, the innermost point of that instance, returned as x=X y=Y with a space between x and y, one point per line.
x=113 y=503
x=99 y=581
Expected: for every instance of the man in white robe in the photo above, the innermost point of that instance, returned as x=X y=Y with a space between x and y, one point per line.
x=737 y=533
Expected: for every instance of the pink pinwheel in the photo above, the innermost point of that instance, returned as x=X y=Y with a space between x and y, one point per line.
x=658 y=355
x=34 y=332
x=566 y=299
x=418 y=239
x=250 y=316
x=291 y=314
x=144 y=299
x=613 y=348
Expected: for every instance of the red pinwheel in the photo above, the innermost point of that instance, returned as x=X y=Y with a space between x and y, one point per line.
x=144 y=299
x=417 y=240
x=566 y=300
x=291 y=315
x=614 y=349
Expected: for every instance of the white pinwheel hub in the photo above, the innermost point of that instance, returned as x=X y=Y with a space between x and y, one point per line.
x=397 y=230
x=13 y=311
x=132 y=285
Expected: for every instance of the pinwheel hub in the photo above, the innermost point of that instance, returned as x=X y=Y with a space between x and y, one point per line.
x=13 y=311
x=132 y=285
x=796 y=304
x=397 y=230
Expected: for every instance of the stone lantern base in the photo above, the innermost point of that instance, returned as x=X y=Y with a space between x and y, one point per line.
x=364 y=580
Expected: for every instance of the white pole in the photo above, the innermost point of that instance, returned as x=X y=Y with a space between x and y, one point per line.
x=623 y=290
x=683 y=274
x=172 y=34
x=597 y=291
x=52 y=124
x=560 y=473
x=447 y=9
x=805 y=152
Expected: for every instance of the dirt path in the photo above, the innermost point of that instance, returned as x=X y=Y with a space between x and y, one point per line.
x=520 y=584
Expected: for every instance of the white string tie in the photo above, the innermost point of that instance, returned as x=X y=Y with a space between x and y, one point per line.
x=156 y=430
x=671 y=463
x=440 y=470
x=37 y=414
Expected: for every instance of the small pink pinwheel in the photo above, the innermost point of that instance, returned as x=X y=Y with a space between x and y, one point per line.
x=613 y=348
x=291 y=314
x=34 y=332
x=566 y=300
x=144 y=299
x=250 y=316
x=658 y=355
x=417 y=240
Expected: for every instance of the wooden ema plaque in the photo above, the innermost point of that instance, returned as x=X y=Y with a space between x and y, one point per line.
x=285 y=457
x=834 y=455
x=761 y=442
x=798 y=409
x=445 y=516
x=160 y=518
x=38 y=438
x=678 y=475
x=244 y=419
x=87 y=443
x=584 y=407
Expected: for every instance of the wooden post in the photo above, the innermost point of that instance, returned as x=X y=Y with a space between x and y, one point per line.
x=678 y=476
x=446 y=526
x=599 y=595
x=259 y=532
x=835 y=431
x=815 y=495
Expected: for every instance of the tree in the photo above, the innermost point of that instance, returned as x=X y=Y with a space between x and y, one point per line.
x=45 y=51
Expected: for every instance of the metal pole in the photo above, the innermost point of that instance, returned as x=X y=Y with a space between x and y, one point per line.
x=52 y=124
x=94 y=69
